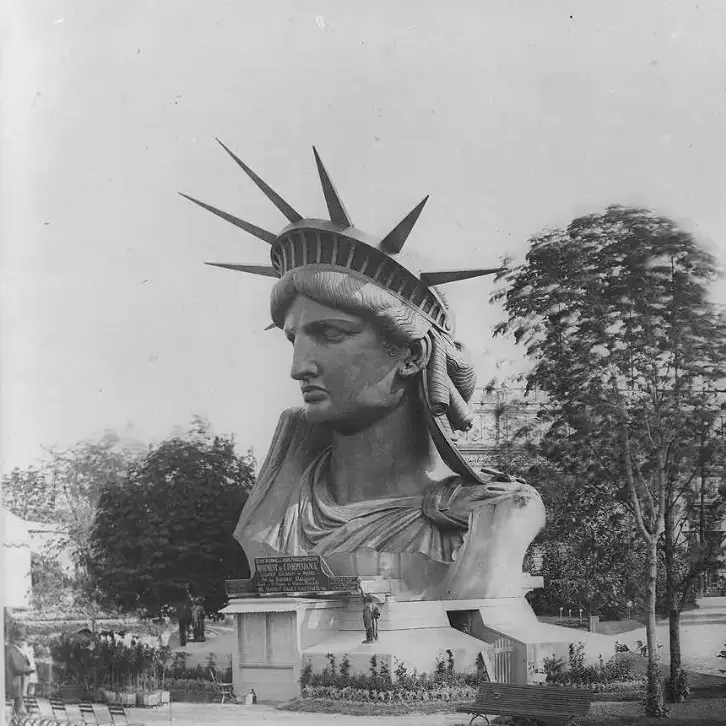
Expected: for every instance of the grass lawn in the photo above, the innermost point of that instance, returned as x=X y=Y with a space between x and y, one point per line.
x=715 y=720
x=604 y=627
x=703 y=685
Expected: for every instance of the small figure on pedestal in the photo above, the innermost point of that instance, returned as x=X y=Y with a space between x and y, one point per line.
x=370 y=619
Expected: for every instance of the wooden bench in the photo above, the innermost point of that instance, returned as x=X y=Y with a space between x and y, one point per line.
x=528 y=704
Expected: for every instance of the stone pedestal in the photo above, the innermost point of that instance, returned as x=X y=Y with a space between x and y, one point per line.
x=271 y=636
x=277 y=635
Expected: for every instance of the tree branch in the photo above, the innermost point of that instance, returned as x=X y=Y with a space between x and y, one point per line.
x=635 y=502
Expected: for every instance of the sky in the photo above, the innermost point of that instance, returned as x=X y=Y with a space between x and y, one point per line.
x=513 y=116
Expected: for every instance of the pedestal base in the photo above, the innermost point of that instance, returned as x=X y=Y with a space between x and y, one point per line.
x=276 y=636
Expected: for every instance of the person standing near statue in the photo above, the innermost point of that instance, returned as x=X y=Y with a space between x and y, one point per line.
x=184 y=616
x=17 y=670
x=198 y=620
x=371 y=613
x=31 y=678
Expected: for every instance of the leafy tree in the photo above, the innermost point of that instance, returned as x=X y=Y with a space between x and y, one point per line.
x=164 y=533
x=591 y=556
x=614 y=311
x=62 y=491
x=50 y=583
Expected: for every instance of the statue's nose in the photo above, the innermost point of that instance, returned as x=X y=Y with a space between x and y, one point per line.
x=304 y=364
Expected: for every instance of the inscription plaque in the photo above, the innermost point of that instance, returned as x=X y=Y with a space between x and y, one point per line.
x=287 y=575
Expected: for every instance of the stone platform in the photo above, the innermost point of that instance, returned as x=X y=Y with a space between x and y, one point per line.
x=277 y=635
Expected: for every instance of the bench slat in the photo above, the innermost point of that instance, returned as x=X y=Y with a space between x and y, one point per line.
x=548 y=693
x=536 y=701
x=512 y=688
x=522 y=710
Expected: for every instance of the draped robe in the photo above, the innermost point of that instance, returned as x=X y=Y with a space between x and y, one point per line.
x=291 y=511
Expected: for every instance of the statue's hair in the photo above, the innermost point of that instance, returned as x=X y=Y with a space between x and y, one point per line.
x=451 y=378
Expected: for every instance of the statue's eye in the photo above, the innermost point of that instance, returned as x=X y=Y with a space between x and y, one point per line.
x=332 y=334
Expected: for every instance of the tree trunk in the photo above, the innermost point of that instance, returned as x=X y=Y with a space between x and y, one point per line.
x=654 y=695
x=674 y=691
x=674 y=633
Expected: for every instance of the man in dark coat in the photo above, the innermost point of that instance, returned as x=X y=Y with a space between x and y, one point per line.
x=17 y=669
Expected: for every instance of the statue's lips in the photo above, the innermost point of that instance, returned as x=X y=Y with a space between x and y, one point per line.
x=311 y=394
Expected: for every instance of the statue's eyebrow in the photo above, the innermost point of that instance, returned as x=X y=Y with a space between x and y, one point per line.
x=317 y=326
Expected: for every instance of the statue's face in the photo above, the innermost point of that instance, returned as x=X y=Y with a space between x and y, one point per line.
x=347 y=377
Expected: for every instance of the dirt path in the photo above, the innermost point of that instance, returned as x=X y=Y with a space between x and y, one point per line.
x=199 y=714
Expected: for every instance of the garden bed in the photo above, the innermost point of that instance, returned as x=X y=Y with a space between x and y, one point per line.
x=322 y=705
x=193 y=696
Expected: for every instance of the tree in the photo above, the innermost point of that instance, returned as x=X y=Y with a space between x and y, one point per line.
x=693 y=509
x=164 y=533
x=50 y=584
x=62 y=491
x=591 y=556
x=615 y=314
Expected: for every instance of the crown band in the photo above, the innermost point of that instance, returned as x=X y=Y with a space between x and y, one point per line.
x=327 y=250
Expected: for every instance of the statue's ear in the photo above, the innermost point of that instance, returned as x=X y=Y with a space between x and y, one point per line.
x=416 y=358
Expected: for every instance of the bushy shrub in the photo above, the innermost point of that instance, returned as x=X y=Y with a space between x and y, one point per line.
x=581 y=673
x=554 y=669
x=680 y=691
x=577 y=673
x=94 y=661
x=194 y=685
x=100 y=661
x=306 y=674
x=434 y=691
x=178 y=668
x=379 y=685
x=619 y=668
x=344 y=674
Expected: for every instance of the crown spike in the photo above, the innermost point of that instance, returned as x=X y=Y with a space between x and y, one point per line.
x=393 y=242
x=270 y=193
x=264 y=270
x=263 y=234
x=336 y=209
x=443 y=276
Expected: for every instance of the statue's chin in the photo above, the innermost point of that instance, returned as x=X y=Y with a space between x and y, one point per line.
x=323 y=414
x=346 y=424
x=319 y=412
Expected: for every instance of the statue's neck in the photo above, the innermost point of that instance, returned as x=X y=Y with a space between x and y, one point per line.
x=390 y=458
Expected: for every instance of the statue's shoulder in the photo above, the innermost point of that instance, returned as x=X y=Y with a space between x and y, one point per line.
x=295 y=435
x=293 y=425
x=290 y=419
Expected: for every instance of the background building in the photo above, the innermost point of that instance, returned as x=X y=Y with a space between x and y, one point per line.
x=16 y=561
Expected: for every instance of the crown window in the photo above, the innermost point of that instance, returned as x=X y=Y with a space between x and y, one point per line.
x=326 y=243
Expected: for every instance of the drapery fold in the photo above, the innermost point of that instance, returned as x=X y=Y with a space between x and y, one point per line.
x=316 y=523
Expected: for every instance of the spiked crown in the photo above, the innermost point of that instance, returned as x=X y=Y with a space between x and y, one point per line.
x=336 y=244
